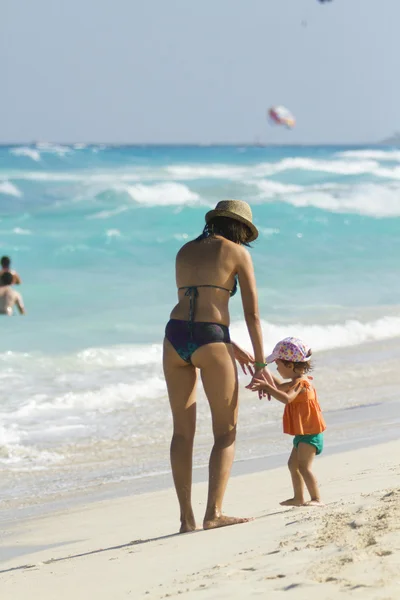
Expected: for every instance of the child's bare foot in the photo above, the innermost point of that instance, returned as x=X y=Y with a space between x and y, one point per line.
x=223 y=521
x=292 y=502
x=314 y=503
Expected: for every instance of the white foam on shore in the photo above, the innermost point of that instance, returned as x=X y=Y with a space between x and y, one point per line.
x=323 y=337
x=103 y=413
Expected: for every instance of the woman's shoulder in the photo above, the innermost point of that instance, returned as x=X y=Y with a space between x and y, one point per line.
x=215 y=242
x=232 y=248
x=188 y=247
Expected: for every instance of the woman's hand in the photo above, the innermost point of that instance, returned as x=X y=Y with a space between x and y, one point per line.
x=244 y=358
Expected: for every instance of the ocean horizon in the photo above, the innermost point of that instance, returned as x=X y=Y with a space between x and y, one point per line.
x=248 y=143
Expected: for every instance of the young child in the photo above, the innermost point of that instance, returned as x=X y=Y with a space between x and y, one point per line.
x=302 y=416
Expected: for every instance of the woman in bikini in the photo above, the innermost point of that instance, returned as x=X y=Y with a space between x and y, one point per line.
x=197 y=337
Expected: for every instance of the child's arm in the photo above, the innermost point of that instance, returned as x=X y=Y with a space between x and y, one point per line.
x=284 y=386
x=280 y=385
x=278 y=394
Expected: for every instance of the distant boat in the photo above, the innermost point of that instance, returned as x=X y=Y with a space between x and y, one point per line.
x=258 y=143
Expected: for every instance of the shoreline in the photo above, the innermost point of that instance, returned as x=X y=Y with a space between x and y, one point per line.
x=130 y=545
x=158 y=482
x=359 y=413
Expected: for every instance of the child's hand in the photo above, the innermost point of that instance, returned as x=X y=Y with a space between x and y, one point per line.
x=256 y=385
x=263 y=376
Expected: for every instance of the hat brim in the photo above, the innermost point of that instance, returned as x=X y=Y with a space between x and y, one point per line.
x=272 y=358
x=227 y=213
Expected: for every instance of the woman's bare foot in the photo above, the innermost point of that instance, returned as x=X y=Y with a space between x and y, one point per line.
x=187 y=526
x=223 y=521
x=292 y=502
x=314 y=503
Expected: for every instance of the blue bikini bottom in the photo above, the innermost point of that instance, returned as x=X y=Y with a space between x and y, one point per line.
x=187 y=336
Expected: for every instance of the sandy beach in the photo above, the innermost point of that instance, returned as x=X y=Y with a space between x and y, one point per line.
x=128 y=548
x=125 y=126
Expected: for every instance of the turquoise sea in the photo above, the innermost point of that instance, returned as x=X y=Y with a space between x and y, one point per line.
x=93 y=232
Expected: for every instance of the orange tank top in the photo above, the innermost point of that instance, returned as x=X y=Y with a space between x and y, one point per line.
x=303 y=416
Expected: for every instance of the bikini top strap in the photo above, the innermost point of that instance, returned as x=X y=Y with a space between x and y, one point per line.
x=235 y=286
x=205 y=285
x=193 y=292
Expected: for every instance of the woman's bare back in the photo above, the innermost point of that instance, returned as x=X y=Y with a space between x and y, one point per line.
x=212 y=261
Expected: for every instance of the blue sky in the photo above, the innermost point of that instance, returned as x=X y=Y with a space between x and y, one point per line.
x=189 y=71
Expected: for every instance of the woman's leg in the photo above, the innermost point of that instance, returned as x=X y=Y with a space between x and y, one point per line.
x=305 y=456
x=219 y=376
x=181 y=383
x=297 y=481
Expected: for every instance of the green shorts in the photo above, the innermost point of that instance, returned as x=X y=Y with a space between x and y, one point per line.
x=317 y=440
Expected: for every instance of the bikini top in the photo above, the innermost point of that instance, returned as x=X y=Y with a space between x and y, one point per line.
x=192 y=291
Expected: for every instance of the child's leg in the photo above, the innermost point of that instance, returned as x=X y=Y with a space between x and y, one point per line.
x=305 y=457
x=297 y=481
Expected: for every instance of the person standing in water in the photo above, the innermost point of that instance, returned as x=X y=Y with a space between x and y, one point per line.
x=197 y=337
x=5 y=268
x=9 y=297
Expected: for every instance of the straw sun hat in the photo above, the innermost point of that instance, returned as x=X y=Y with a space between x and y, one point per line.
x=235 y=209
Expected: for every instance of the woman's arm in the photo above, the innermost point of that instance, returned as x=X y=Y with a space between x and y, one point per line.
x=248 y=289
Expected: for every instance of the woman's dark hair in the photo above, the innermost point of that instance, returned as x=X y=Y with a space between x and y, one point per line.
x=231 y=229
